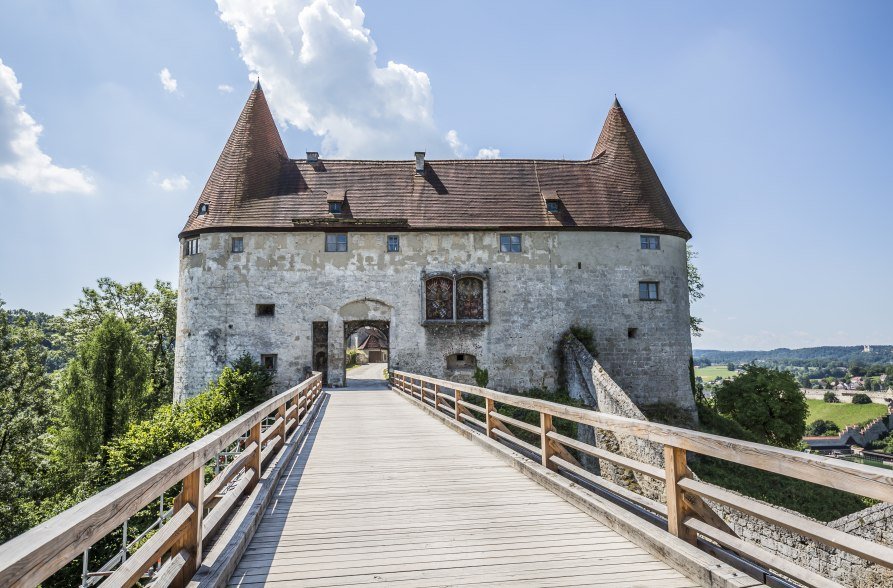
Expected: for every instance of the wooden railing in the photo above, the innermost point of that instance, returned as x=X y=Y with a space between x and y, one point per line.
x=683 y=493
x=175 y=549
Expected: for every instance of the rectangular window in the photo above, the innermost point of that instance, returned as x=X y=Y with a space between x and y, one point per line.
x=552 y=205
x=336 y=242
x=268 y=360
x=238 y=245
x=335 y=207
x=650 y=241
x=265 y=310
x=510 y=243
x=393 y=243
x=190 y=247
x=648 y=291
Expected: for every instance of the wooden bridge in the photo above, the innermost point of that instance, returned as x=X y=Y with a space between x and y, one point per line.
x=428 y=484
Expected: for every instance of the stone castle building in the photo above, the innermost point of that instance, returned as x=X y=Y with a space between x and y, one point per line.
x=458 y=263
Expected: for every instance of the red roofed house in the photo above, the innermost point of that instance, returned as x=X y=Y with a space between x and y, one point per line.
x=459 y=263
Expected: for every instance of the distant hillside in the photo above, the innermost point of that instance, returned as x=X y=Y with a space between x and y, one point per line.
x=844 y=355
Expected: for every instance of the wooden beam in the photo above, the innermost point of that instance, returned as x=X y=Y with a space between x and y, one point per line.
x=677 y=509
x=491 y=423
x=254 y=461
x=546 y=449
x=190 y=539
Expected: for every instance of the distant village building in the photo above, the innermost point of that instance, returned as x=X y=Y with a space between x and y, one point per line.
x=460 y=264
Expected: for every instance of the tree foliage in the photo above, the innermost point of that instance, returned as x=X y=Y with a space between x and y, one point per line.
x=861 y=399
x=821 y=427
x=695 y=288
x=766 y=402
x=830 y=397
x=103 y=389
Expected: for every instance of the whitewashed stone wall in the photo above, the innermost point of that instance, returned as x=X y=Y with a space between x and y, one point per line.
x=561 y=278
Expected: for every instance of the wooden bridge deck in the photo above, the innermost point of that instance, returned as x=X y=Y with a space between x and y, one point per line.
x=382 y=493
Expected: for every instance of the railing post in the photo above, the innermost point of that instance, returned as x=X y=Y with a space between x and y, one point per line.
x=280 y=413
x=546 y=451
x=677 y=508
x=254 y=462
x=191 y=537
x=436 y=399
x=490 y=407
x=457 y=395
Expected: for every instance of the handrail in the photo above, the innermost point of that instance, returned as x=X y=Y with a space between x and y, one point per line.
x=681 y=490
x=35 y=555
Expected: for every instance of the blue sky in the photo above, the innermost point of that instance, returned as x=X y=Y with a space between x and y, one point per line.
x=769 y=124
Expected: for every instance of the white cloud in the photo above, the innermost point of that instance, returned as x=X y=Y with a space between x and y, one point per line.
x=488 y=153
x=225 y=89
x=458 y=147
x=21 y=159
x=167 y=81
x=317 y=64
x=171 y=184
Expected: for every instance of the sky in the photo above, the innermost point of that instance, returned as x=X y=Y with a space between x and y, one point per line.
x=769 y=124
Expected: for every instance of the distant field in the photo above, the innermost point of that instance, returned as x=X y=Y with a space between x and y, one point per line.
x=711 y=372
x=843 y=414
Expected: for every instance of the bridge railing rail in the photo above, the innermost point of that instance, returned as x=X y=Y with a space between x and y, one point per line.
x=683 y=492
x=175 y=548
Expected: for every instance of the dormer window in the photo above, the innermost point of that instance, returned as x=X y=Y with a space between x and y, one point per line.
x=335 y=199
x=203 y=208
x=553 y=200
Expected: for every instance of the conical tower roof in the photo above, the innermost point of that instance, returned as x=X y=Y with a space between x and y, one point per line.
x=619 y=149
x=249 y=167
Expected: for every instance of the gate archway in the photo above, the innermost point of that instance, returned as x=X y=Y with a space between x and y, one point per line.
x=355 y=315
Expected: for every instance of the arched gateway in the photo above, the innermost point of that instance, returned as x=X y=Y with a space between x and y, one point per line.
x=352 y=317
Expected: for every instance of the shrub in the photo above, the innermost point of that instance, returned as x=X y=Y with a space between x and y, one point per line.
x=585 y=337
x=831 y=397
x=481 y=377
x=821 y=427
x=861 y=399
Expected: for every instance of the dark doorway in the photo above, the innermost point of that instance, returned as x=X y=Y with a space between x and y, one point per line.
x=320 y=343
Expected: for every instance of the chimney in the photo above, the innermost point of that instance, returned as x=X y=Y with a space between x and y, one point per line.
x=419 y=162
x=312 y=157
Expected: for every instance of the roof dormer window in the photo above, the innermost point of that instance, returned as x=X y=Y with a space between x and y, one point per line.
x=335 y=200
x=203 y=208
x=553 y=200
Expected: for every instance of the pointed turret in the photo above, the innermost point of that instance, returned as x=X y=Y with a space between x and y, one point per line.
x=620 y=149
x=249 y=166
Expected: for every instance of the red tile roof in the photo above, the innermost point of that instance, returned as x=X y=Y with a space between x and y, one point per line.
x=254 y=186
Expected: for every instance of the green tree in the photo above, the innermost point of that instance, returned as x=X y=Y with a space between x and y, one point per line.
x=103 y=388
x=821 y=427
x=695 y=289
x=766 y=402
x=24 y=416
x=151 y=315
x=861 y=399
x=831 y=397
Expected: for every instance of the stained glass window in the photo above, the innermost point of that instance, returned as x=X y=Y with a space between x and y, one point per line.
x=439 y=299
x=470 y=298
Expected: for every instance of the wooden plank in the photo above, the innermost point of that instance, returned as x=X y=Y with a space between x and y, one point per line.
x=273 y=429
x=677 y=509
x=508 y=436
x=171 y=570
x=516 y=423
x=218 y=514
x=637 y=466
x=546 y=448
x=761 y=556
x=149 y=552
x=861 y=479
x=643 y=501
x=223 y=477
x=255 y=459
x=868 y=550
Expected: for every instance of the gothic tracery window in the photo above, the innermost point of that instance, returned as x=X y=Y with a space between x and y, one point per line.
x=439 y=299
x=470 y=298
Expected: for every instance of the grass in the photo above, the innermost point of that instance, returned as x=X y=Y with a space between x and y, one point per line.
x=843 y=414
x=711 y=372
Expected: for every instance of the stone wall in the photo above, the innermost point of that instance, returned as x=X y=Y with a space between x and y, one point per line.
x=589 y=382
x=559 y=279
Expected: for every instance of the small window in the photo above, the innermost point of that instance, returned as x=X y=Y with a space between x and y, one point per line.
x=510 y=243
x=203 y=208
x=650 y=241
x=461 y=361
x=268 y=360
x=190 y=247
x=336 y=242
x=335 y=207
x=552 y=205
x=238 y=245
x=632 y=332
x=648 y=291
x=265 y=310
x=393 y=243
